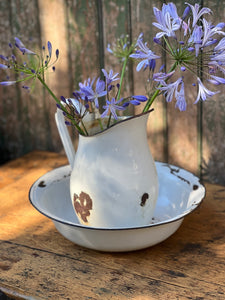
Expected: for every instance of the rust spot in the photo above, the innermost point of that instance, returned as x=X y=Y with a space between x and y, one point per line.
x=82 y=205
x=195 y=187
x=175 y=172
x=42 y=184
x=144 y=198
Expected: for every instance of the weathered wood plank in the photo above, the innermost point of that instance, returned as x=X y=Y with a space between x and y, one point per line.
x=25 y=269
x=53 y=27
x=82 y=22
x=142 y=18
x=83 y=42
x=182 y=126
x=21 y=111
x=213 y=135
x=10 y=139
x=117 y=25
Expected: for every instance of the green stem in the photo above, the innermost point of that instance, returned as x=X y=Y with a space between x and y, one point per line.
x=25 y=79
x=150 y=101
x=168 y=45
x=59 y=103
x=84 y=127
x=156 y=93
x=122 y=76
x=50 y=91
x=100 y=123
x=109 y=120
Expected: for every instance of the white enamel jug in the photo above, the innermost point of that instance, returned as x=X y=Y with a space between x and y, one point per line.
x=114 y=182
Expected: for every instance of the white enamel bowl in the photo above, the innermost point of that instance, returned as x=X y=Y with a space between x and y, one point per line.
x=180 y=192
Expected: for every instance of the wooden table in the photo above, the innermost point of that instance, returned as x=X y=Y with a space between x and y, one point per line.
x=36 y=262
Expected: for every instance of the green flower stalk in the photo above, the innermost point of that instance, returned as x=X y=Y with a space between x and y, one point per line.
x=85 y=101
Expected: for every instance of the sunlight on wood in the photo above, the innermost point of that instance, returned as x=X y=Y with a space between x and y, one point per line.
x=19 y=224
x=14 y=219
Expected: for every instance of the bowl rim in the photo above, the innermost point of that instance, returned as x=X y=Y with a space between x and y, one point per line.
x=180 y=216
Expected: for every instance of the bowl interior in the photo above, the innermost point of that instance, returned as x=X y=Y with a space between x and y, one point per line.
x=179 y=193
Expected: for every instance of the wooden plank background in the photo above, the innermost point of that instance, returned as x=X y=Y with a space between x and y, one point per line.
x=81 y=29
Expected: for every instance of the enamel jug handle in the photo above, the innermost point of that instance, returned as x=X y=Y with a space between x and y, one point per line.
x=65 y=137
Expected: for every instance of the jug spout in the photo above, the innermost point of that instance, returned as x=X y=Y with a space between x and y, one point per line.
x=65 y=137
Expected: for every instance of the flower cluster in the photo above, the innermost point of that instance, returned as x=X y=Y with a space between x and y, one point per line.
x=30 y=66
x=194 y=46
x=85 y=101
x=193 y=43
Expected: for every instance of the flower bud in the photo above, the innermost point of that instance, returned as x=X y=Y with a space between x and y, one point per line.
x=157 y=41
x=186 y=12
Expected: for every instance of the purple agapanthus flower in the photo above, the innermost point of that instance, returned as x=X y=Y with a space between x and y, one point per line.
x=151 y=65
x=7 y=83
x=180 y=97
x=140 y=98
x=4 y=57
x=135 y=100
x=170 y=88
x=214 y=66
x=3 y=66
x=216 y=80
x=186 y=27
x=75 y=103
x=195 y=36
x=110 y=77
x=24 y=67
x=218 y=57
x=209 y=31
x=87 y=83
x=57 y=53
x=49 y=49
x=220 y=46
x=22 y=48
x=196 y=14
x=143 y=53
x=91 y=94
x=25 y=87
x=186 y=12
x=203 y=92
x=80 y=109
x=161 y=76
x=175 y=89
x=196 y=39
x=109 y=49
x=111 y=107
x=167 y=20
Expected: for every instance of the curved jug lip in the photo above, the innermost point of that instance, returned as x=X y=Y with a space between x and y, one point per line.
x=125 y=118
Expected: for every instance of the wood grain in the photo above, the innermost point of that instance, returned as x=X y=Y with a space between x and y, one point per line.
x=37 y=262
x=142 y=18
x=21 y=111
x=213 y=120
